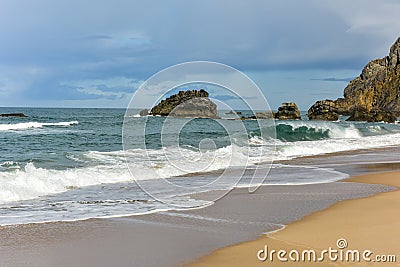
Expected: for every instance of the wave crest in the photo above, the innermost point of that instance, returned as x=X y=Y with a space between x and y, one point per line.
x=33 y=124
x=309 y=131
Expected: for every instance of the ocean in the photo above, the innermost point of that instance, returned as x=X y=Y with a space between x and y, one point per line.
x=73 y=164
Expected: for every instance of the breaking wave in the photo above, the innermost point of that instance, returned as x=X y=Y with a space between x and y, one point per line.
x=29 y=125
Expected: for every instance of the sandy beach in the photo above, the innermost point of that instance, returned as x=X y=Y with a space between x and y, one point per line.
x=366 y=224
x=175 y=238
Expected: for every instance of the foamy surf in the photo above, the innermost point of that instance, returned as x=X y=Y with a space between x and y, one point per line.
x=117 y=198
x=29 y=125
x=83 y=173
x=32 y=182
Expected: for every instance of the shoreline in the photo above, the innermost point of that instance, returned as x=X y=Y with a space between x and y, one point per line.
x=367 y=223
x=170 y=238
x=180 y=237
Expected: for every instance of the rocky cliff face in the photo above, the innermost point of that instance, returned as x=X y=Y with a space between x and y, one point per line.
x=376 y=90
x=192 y=103
x=373 y=116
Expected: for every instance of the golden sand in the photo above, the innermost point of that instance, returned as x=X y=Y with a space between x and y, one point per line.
x=371 y=223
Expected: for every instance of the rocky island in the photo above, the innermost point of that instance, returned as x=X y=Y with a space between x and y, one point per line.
x=373 y=96
x=288 y=111
x=191 y=104
x=18 y=115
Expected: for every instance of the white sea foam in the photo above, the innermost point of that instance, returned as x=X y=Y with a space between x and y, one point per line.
x=286 y=150
x=110 y=167
x=28 y=125
x=32 y=182
x=133 y=116
x=172 y=161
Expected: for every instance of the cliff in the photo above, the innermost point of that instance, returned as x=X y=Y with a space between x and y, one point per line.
x=376 y=90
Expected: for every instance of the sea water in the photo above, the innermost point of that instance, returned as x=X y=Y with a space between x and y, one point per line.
x=71 y=164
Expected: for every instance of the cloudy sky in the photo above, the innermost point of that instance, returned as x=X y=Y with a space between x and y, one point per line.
x=97 y=53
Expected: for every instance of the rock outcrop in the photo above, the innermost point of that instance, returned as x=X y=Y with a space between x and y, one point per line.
x=192 y=103
x=144 y=112
x=324 y=110
x=200 y=107
x=373 y=116
x=265 y=115
x=376 y=91
x=231 y=112
x=260 y=115
x=19 y=115
x=288 y=111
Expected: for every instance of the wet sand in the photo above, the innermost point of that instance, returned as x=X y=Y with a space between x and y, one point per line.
x=370 y=223
x=170 y=238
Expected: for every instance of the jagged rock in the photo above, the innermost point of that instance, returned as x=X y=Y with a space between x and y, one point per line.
x=393 y=59
x=20 y=115
x=376 y=90
x=373 y=116
x=192 y=103
x=324 y=110
x=144 y=112
x=342 y=107
x=288 y=111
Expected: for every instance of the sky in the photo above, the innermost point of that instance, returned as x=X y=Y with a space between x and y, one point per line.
x=98 y=53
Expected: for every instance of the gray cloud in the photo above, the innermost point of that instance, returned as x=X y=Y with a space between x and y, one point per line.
x=77 y=40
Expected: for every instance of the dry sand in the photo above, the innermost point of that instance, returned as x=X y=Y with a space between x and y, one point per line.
x=371 y=223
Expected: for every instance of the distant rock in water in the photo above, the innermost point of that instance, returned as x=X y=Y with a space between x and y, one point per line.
x=288 y=111
x=376 y=92
x=231 y=112
x=324 y=110
x=260 y=115
x=20 y=115
x=144 y=112
x=265 y=115
x=192 y=103
x=196 y=108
